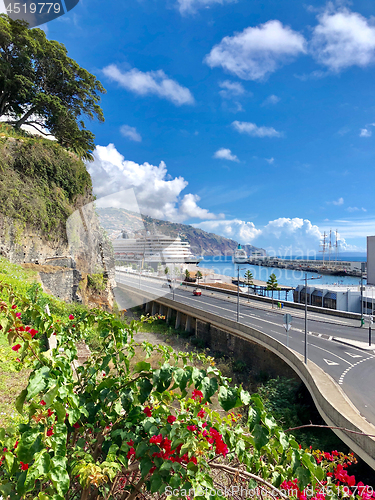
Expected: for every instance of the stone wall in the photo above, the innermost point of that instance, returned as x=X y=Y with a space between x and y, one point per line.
x=62 y=283
x=258 y=359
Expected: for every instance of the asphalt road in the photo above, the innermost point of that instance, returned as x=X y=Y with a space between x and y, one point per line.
x=351 y=367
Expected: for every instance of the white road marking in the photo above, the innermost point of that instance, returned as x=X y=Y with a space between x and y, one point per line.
x=354 y=355
x=330 y=363
x=341 y=380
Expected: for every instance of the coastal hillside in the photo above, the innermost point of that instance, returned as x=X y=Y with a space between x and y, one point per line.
x=114 y=220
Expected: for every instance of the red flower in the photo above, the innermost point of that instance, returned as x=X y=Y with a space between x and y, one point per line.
x=147 y=411
x=33 y=332
x=71 y=316
x=197 y=394
x=50 y=432
x=16 y=347
x=43 y=403
x=24 y=466
x=191 y=428
x=156 y=439
x=14 y=307
x=171 y=419
x=50 y=412
x=76 y=425
x=130 y=443
x=18 y=315
x=15 y=444
x=130 y=453
x=201 y=413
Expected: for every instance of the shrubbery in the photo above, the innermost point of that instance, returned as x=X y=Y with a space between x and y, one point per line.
x=111 y=429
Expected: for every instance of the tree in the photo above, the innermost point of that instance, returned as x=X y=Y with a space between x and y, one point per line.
x=272 y=284
x=42 y=87
x=166 y=271
x=249 y=278
x=199 y=276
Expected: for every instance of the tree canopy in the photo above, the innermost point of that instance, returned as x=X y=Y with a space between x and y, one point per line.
x=42 y=87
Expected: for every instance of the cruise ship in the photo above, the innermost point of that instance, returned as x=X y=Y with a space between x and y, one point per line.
x=240 y=256
x=153 y=249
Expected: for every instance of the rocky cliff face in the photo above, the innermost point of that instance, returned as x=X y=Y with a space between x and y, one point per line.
x=46 y=213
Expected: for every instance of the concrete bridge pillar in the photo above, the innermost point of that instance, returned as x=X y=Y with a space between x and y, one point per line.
x=161 y=310
x=169 y=314
x=188 y=324
x=154 y=308
x=147 y=307
x=178 y=320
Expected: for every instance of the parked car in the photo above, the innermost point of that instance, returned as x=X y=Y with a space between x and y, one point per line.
x=197 y=292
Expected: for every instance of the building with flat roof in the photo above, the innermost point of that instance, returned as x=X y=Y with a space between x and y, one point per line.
x=339 y=297
x=371 y=260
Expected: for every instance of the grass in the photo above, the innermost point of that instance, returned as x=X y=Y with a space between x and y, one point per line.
x=12 y=380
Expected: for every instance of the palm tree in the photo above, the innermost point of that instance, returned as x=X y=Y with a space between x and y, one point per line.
x=187 y=276
x=249 y=281
x=272 y=284
x=199 y=276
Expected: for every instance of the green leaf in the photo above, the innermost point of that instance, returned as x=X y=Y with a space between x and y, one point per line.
x=60 y=480
x=37 y=382
x=319 y=473
x=254 y=417
x=142 y=366
x=208 y=387
x=227 y=397
x=145 y=466
x=303 y=476
x=163 y=377
x=30 y=444
x=197 y=377
x=9 y=460
x=260 y=436
x=257 y=400
x=182 y=377
x=156 y=482
x=20 y=401
x=141 y=449
x=245 y=397
x=145 y=387
x=50 y=395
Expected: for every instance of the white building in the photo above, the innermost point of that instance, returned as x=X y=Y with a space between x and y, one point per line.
x=340 y=297
x=371 y=260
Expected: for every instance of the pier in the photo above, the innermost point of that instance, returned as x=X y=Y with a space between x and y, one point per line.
x=335 y=268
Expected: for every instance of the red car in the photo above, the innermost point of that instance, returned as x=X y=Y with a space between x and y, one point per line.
x=197 y=292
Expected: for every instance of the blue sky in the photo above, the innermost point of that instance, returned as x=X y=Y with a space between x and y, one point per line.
x=255 y=120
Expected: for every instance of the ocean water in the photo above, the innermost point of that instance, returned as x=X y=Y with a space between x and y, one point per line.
x=286 y=277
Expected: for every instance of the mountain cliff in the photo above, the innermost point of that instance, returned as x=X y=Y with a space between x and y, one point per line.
x=113 y=220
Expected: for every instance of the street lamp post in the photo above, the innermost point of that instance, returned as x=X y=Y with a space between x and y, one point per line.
x=305 y=280
x=238 y=292
x=362 y=271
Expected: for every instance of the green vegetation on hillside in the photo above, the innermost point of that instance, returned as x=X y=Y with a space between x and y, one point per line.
x=40 y=181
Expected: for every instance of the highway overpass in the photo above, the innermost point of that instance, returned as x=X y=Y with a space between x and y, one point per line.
x=340 y=370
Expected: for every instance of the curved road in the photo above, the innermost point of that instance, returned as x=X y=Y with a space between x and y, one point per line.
x=351 y=367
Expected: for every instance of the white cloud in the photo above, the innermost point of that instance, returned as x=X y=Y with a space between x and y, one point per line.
x=131 y=133
x=270 y=160
x=258 y=51
x=231 y=89
x=365 y=132
x=150 y=83
x=356 y=209
x=338 y=202
x=254 y=130
x=190 y=6
x=283 y=236
x=342 y=39
x=272 y=99
x=157 y=194
x=225 y=154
